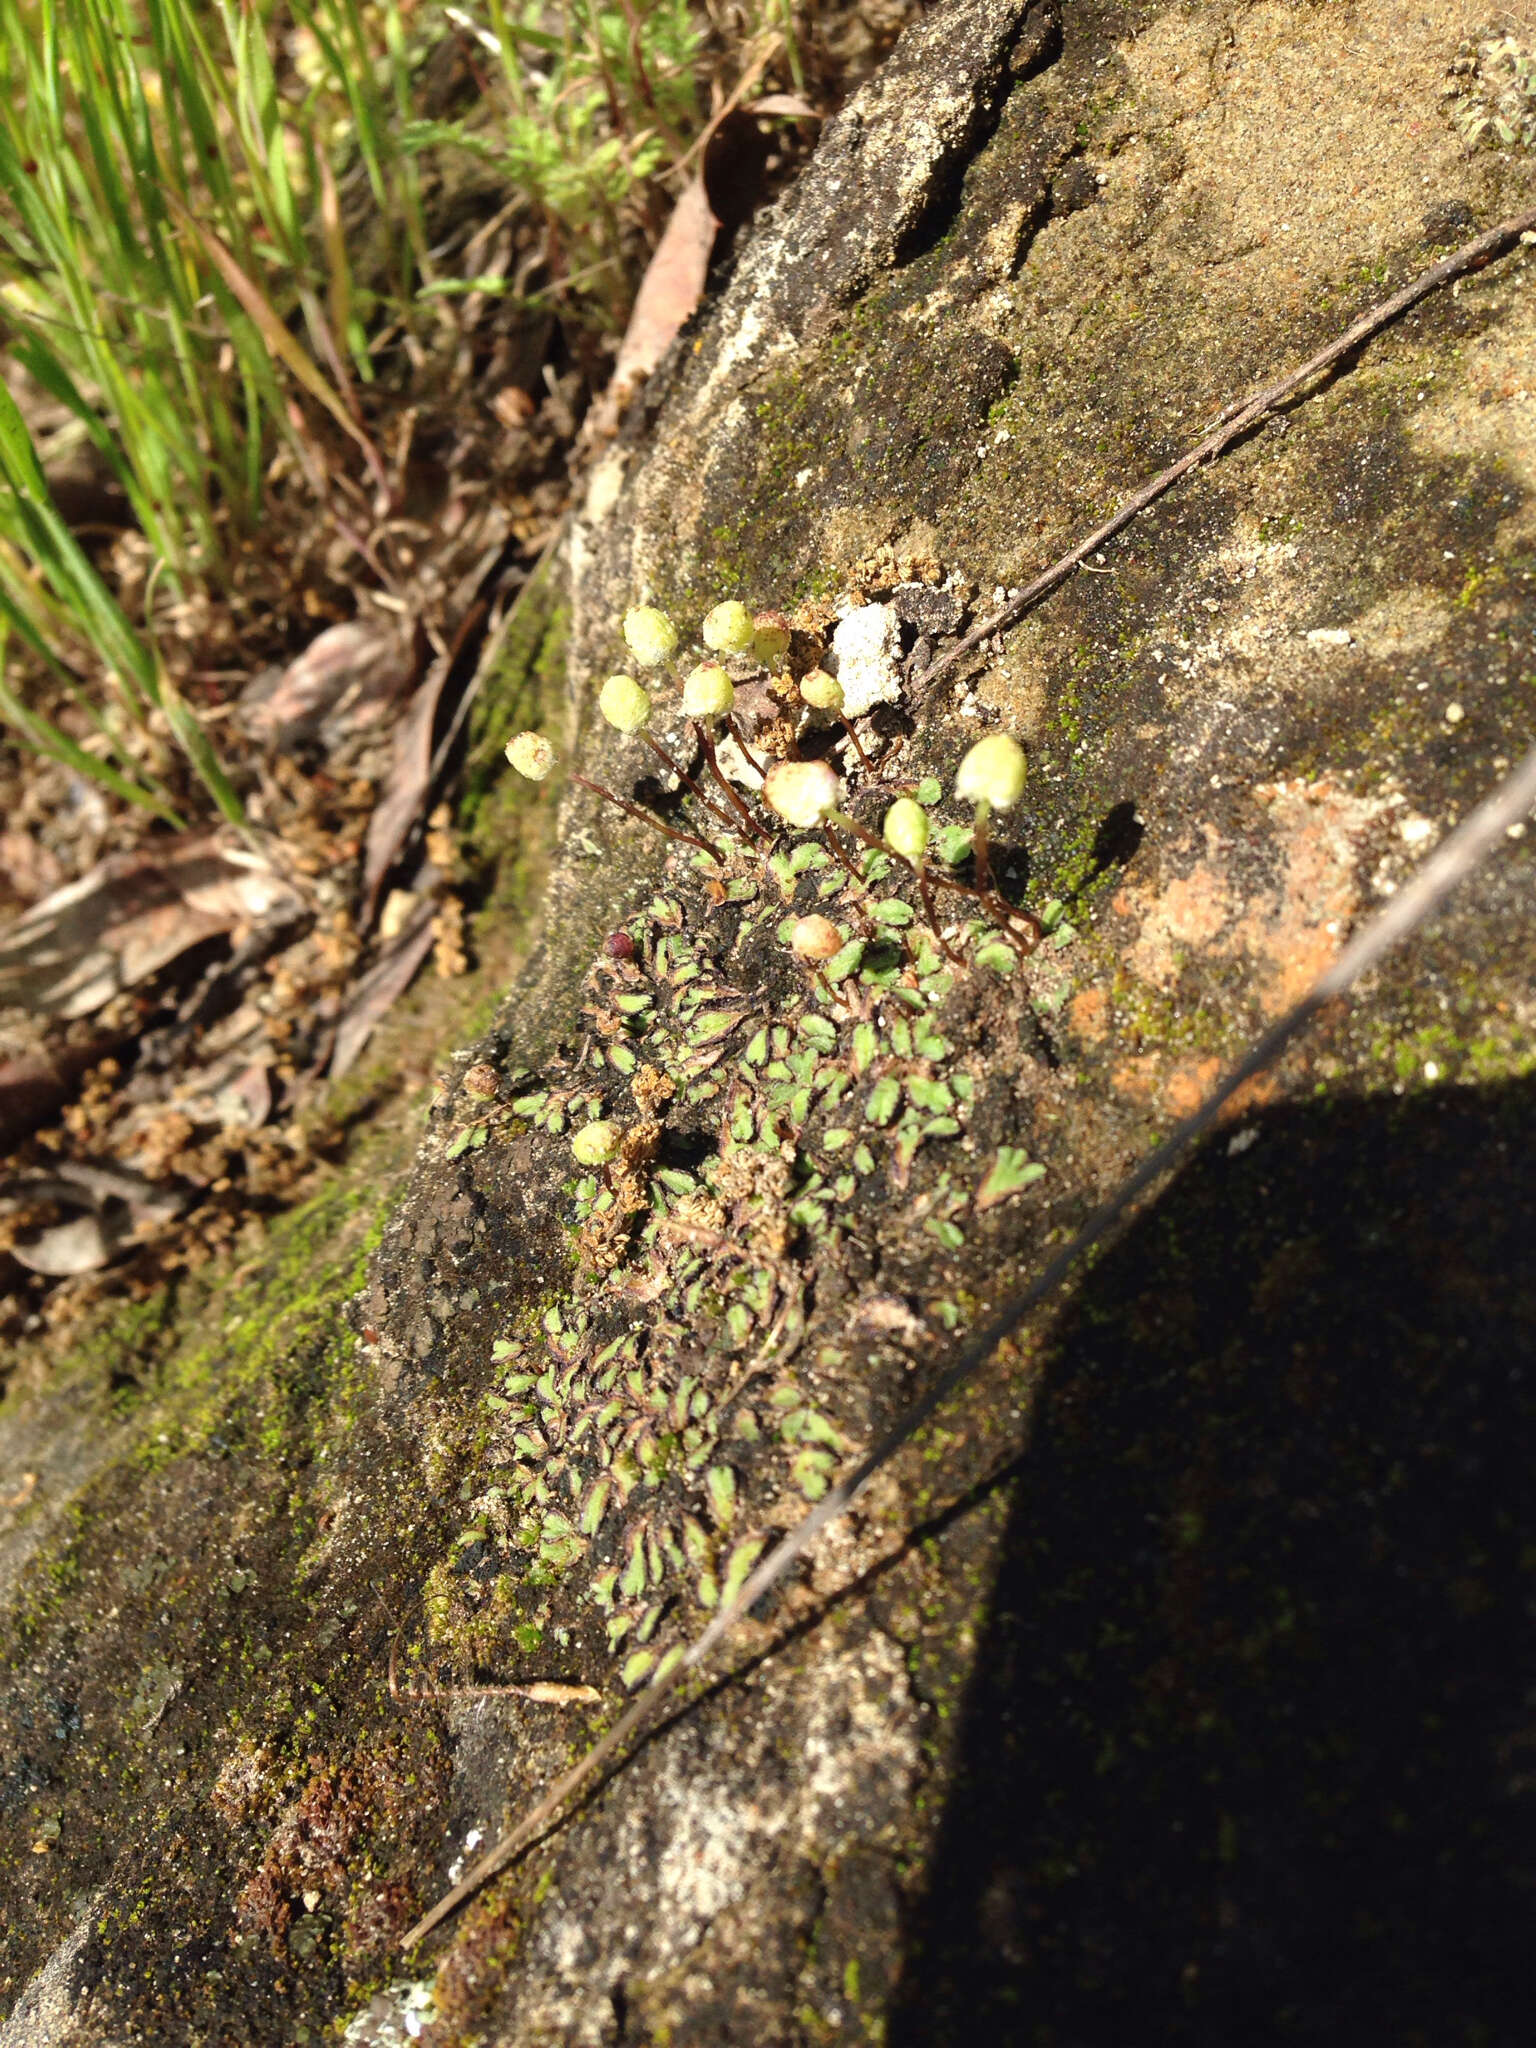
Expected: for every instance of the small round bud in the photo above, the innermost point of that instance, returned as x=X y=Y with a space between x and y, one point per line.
x=708 y=693
x=821 y=691
x=649 y=635
x=771 y=636
x=906 y=828
x=619 y=946
x=595 y=1144
x=728 y=629
x=815 y=938
x=992 y=773
x=480 y=1081
x=802 y=793
x=624 y=703
x=531 y=755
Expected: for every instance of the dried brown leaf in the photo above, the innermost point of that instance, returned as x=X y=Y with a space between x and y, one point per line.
x=672 y=286
x=107 y=1209
x=33 y=1085
x=382 y=986
x=346 y=679
x=27 y=868
x=405 y=787
x=130 y=916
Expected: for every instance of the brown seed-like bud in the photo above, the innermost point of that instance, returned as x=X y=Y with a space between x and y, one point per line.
x=770 y=638
x=815 y=938
x=480 y=1081
x=619 y=946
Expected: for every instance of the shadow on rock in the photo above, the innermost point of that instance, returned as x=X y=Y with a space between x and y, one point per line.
x=1251 y=1742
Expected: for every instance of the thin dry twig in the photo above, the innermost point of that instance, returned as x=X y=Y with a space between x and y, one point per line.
x=1234 y=422
x=1465 y=849
x=543 y=1691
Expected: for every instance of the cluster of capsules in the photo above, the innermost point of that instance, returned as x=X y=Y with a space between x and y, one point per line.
x=801 y=794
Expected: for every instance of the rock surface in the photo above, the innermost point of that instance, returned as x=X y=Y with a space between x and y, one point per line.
x=1178 y=1684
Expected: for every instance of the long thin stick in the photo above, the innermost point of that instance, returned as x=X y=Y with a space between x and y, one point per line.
x=1236 y=421
x=1465 y=849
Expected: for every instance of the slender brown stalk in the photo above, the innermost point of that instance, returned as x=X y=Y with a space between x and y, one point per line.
x=847 y=725
x=1234 y=422
x=707 y=742
x=676 y=768
x=990 y=898
x=981 y=850
x=747 y=754
x=649 y=818
x=844 y=858
x=1007 y=914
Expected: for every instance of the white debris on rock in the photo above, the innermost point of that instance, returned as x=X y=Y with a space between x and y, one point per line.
x=735 y=766
x=393 y=2017
x=866 y=658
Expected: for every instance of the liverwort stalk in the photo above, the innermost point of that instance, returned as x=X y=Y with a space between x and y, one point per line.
x=533 y=757
x=626 y=705
x=991 y=776
x=825 y=693
x=710 y=695
x=905 y=832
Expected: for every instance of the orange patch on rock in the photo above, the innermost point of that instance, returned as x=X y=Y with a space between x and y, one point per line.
x=1189 y=915
x=1179 y=1086
x=1136 y=1079
x=1292 y=931
x=1189 y=1082
x=1297 y=933
x=1088 y=1014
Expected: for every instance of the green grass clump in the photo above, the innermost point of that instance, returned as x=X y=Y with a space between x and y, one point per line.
x=212 y=220
x=50 y=593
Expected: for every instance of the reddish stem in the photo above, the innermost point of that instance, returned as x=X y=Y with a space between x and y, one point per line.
x=747 y=754
x=986 y=887
x=707 y=742
x=676 y=768
x=990 y=898
x=980 y=851
x=649 y=818
x=847 y=725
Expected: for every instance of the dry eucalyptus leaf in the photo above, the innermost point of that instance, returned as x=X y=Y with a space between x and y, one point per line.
x=727 y=186
x=348 y=678
x=27 y=868
x=384 y=983
x=107 y=1208
x=405 y=787
x=127 y=918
